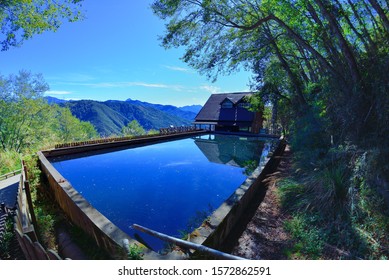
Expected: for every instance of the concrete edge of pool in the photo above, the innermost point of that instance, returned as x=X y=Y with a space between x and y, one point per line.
x=212 y=233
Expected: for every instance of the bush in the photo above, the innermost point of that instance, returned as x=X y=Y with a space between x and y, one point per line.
x=341 y=201
x=9 y=161
x=309 y=239
x=44 y=209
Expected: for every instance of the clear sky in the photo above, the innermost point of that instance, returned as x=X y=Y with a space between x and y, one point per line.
x=114 y=53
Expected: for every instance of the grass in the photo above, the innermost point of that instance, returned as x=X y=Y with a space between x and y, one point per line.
x=309 y=239
x=337 y=210
x=9 y=161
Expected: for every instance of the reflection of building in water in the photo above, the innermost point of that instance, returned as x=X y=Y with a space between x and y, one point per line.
x=235 y=151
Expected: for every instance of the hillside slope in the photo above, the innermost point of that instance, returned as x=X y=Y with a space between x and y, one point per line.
x=172 y=110
x=110 y=116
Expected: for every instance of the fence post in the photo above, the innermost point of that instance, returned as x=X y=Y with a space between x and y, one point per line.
x=30 y=205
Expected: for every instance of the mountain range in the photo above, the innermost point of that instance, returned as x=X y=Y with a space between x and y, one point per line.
x=110 y=116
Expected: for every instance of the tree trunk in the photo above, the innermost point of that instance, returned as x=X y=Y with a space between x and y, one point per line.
x=302 y=104
x=312 y=75
x=291 y=33
x=373 y=19
x=381 y=13
x=372 y=44
x=344 y=45
x=274 y=115
x=327 y=43
x=304 y=44
x=353 y=28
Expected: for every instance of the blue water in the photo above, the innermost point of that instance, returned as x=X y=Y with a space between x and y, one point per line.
x=170 y=187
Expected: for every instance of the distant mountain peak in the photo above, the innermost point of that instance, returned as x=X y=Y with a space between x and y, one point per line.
x=109 y=117
x=191 y=108
x=54 y=100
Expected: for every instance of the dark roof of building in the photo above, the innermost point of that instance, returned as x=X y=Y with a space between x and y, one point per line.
x=212 y=110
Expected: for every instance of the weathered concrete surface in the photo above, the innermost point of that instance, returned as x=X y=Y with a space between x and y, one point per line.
x=81 y=212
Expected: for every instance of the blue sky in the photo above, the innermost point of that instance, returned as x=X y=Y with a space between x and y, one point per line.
x=114 y=53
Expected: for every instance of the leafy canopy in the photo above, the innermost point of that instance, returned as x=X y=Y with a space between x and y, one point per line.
x=133 y=128
x=27 y=121
x=324 y=59
x=21 y=19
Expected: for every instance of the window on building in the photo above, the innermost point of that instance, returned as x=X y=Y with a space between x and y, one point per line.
x=227 y=104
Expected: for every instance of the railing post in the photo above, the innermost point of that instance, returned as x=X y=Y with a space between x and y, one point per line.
x=30 y=205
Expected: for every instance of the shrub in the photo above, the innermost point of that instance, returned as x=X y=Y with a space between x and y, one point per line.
x=9 y=161
x=308 y=239
x=341 y=201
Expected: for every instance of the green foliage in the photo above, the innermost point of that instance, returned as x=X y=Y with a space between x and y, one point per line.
x=250 y=166
x=110 y=117
x=6 y=239
x=288 y=191
x=27 y=122
x=133 y=128
x=339 y=197
x=22 y=109
x=71 y=129
x=308 y=239
x=267 y=112
x=21 y=19
x=135 y=252
x=152 y=132
x=44 y=208
x=87 y=244
x=50 y=217
x=9 y=161
x=325 y=61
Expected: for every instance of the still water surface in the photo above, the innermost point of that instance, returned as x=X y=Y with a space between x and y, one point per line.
x=170 y=187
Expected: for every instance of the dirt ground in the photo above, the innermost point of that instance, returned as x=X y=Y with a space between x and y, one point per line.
x=264 y=236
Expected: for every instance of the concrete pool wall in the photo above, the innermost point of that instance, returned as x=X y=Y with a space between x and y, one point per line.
x=216 y=230
x=81 y=212
x=213 y=233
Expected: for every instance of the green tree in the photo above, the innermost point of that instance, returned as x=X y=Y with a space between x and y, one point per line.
x=70 y=129
x=323 y=64
x=28 y=121
x=325 y=58
x=133 y=128
x=21 y=19
x=22 y=110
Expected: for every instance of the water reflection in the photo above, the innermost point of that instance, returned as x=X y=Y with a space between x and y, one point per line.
x=235 y=151
x=169 y=186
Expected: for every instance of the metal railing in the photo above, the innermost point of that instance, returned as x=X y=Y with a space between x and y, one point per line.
x=10 y=174
x=178 y=129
